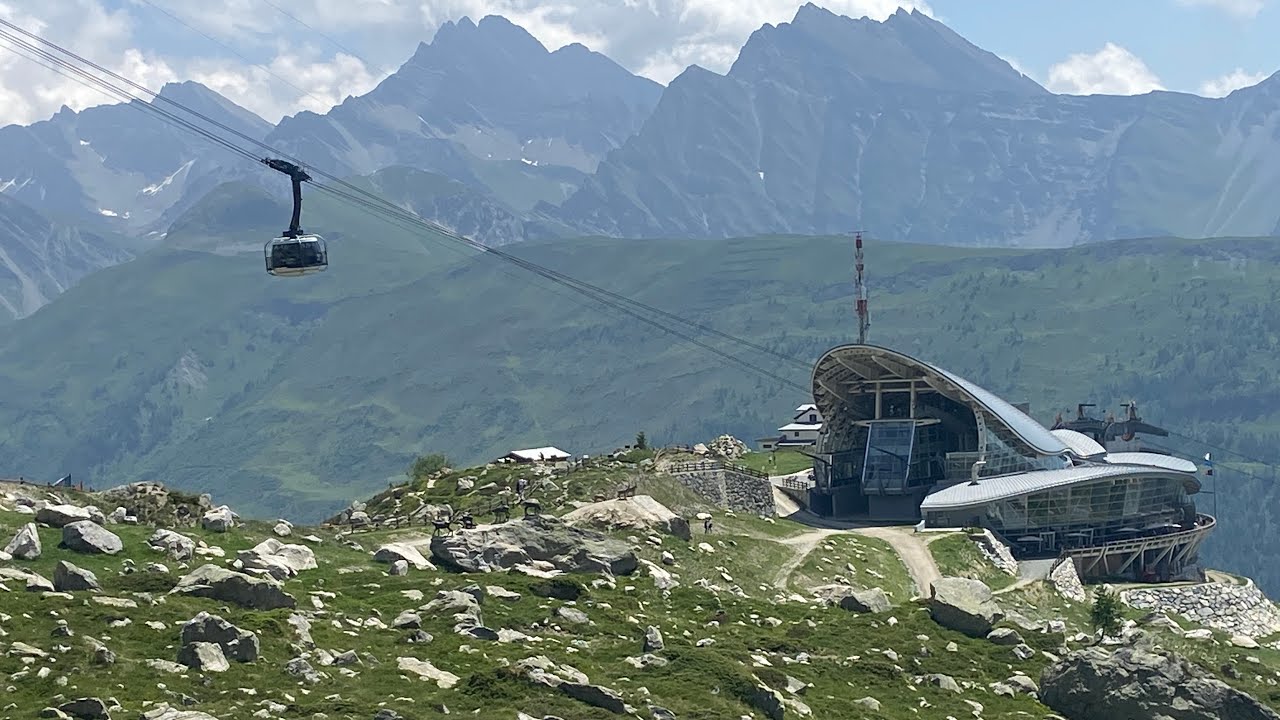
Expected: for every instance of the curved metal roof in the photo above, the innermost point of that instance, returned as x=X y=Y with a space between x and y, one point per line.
x=844 y=360
x=1082 y=445
x=1166 y=462
x=987 y=490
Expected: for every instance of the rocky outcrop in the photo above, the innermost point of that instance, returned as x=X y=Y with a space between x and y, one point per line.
x=1067 y=581
x=541 y=670
x=727 y=447
x=1138 y=684
x=214 y=582
x=530 y=540
x=964 y=605
x=1238 y=609
x=641 y=512
x=153 y=503
x=995 y=551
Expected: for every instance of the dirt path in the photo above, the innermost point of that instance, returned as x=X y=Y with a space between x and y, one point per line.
x=913 y=549
x=801 y=546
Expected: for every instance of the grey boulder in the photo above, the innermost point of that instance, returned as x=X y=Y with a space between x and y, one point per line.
x=1140 y=684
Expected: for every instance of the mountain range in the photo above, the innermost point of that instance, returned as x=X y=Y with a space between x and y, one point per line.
x=823 y=124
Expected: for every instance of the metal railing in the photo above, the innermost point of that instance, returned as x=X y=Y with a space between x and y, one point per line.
x=714 y=466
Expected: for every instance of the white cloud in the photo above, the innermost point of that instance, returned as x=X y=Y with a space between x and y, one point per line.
x=1239 y=8
x=1112 y=70
x=1234 y=80
x=110 y=38
x=313 y=84
x=656 y=38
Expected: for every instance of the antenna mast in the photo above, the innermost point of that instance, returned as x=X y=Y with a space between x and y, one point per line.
x=860 y=291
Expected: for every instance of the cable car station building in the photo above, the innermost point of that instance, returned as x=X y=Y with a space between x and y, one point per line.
x=908 y=441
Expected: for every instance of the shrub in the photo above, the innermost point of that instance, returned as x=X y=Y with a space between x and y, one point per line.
x=427 y=465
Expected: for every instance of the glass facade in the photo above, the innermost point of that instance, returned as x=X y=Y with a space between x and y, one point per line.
x=888 y=457
x=1105 y=510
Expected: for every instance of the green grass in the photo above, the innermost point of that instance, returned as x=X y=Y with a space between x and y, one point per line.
x=956 y=555
x=778 y=462
x=874 y=564
x=846 y=650
x=619 y=616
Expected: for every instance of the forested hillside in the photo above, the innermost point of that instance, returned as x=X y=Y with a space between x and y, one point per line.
x=190 y=365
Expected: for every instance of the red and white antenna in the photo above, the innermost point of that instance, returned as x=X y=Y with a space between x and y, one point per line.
x=860 y=291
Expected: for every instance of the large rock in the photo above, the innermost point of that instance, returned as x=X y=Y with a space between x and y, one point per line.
x=33 y=582
x=1138 y=684
x=636 y=513
x=62 y=515
x=25 y=544
x=87 y=536
x=69 y=578
x=237 y=645
x=425 y=670
x=965 y=605
x=219 y=519
x=538 y=538
x=870 y=600
x=203 y=656
x=277 y=559
x=391 y=552
x=178 y=546
x=217 y=583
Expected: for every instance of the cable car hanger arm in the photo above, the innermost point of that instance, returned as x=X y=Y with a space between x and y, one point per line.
x=298 y=176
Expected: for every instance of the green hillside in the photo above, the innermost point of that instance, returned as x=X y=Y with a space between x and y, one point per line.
x=191 y=366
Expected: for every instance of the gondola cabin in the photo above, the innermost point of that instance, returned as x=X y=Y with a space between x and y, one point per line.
x=296 y=256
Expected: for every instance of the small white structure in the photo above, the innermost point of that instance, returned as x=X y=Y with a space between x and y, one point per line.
x=802 y=431
x=542 y=454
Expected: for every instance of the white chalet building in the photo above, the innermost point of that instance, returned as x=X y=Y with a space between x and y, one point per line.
x=802 y=431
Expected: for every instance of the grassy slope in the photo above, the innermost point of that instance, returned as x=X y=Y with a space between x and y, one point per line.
x=846 y=650
x=293 y=396
x=958 y=556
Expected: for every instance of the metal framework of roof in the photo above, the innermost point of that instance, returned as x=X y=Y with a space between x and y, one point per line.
x=968 y=494
x=851 y=369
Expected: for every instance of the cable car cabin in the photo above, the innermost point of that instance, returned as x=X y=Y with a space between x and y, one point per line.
x=294 y=256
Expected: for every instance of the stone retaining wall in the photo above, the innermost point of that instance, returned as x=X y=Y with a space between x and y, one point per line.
x=1237 y=609
x=731 y=490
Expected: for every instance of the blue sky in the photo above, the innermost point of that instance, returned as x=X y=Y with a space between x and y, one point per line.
x=1185 y=44
x=1076 y=46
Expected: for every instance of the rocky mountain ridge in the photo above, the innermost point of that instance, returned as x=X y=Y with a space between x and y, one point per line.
x=555 y=615
x=828 y=123
x=821 y=124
